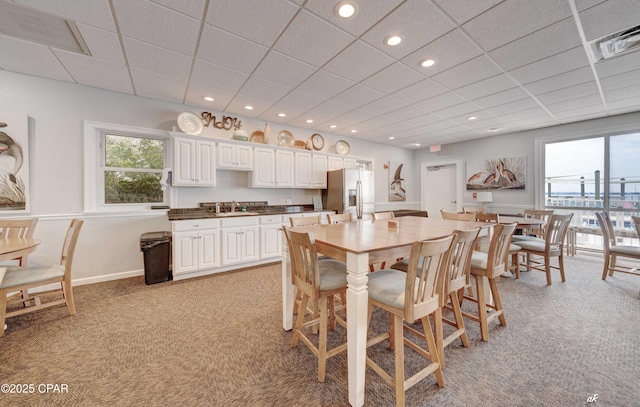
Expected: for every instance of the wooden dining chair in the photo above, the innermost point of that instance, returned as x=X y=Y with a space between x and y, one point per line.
x=613 y=251
x=536 y=233
x=18 y=228
x=636 y=223
x=514 y=249
x=457 y=216
x=318 y=282
x=490 y=265
x=340 y=218
x=305 y=221
x=382 y=215
x=22 y=279
x=412 y=296
x=473 y=209
x=538 y=254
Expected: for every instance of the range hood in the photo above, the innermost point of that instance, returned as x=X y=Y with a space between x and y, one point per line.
x=615 y=44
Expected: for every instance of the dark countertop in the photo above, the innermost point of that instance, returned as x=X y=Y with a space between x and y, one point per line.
x=207 y=211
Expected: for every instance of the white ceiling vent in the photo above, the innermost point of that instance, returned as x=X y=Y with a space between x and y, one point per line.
x=35 y=26
x=615 y=44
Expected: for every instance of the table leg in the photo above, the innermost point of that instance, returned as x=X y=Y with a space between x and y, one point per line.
x=287 y=289
x=357 y=303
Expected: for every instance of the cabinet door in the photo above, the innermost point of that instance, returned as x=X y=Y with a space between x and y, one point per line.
x=264 y=169
x=270 y=241
x=208 y=249
x=334 y=163
x=303 y=172
x=205 y=163
x=244 y=157
x=185 y=252
x=250 y=244
x=319 y=171
x=226 y=155
x=184 y=165
x=284 y=169
x=349 y=162
x=231 y=245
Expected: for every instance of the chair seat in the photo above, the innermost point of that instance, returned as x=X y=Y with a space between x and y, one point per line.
x=479 y=260
x=633 y=251
x=333 y=274
x=519 y=238
x=538 y=247
x=514 y=248
x=15 y=276
x=387 y=286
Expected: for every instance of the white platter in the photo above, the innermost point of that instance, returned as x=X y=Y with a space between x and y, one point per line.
x=190 y=123
x=342 y=147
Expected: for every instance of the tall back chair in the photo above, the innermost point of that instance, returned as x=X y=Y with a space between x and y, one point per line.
x=457 y=216
x=556 y=231
x=538 y=232
x=306 y=221
x=411 y=296
x=383 y=215
x=318 y=282
x=490 y=265
x=340 y=218
x=612 y=250
x=22 y=279
x=18 y=228
x=473 y=209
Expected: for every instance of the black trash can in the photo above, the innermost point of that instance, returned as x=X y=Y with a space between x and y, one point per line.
x=156 y=248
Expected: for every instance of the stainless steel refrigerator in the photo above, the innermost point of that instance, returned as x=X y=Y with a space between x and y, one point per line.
x=350 y=191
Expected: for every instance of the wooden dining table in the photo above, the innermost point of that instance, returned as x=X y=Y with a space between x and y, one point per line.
x=523 y=223
x=15 y=247
x=359 y=244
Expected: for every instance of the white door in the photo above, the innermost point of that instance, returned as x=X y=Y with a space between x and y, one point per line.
x=440 y=188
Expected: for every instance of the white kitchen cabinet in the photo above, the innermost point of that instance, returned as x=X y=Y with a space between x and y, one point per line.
x=264 y=168
x=193 y=162
x=310 y=170
x=349 y=162
x=240 y=240
x=285 y=167
x=319 y=171
x=270 y=236
x=334 y=163
x=196 y=245
x=235 y=156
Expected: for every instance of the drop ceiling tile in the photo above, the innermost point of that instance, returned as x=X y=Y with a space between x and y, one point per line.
x=418 y=21
x=102 y=44
x=31 y=59
x=378 y=122
x=573 y=92
x=500 y=98
x=157 y=25
x=325 y=84
x=155 y=86
x=624 y=106
x=488 y=123
x=536 y=121
x=609 y=17
x=622 y=93
x=258 y=21
x=552 y=66
x=422 y=90
x=579 y=111
x=312 y=40
x=369 y=12
x=301 y=100
x=582 y=117
x=585 y=4
x=618 y=65
x=440 y=102
x=265 y=90
x=406 y=113
x=282 y=69
x=457 y=110
x=577 y=103
x=544 y=43
x=447 y=51
x=510 y=20
x=80 y=65
x=525 y=114
x=327 y=110
x=228 y=50
x=467 y=73
x=91 y=12
x=238 y=103
x=486 y=87
x=384 y=105
x=192 y=8
x=155 y=59
x=463 y=10
x=630 y=78
x=565 y=80
x=217 y=76
x=480 y=115
x=424 y=120
x=512 y=107
x=358 y=95
x=441 y=125
x=358 y=61
x=359 y=118
x=291 y=112
x=221 y=97
x=394 y=77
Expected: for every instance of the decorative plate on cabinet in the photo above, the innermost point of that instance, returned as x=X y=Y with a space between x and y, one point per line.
x=285 y=138
x=257 y=137
x=190 y=123
x=342 y=147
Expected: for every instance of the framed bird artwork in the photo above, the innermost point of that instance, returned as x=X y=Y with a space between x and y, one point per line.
x=497 y=173
x=397 y=191
x=14 y=162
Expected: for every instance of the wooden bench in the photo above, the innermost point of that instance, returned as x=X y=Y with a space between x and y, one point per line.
x=591 y=230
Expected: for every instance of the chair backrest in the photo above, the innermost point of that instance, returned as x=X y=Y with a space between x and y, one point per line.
x=541 y=214
x=488 y=217
x=429 y=263
x=636 y=222
x=340 y=218
x=306 y=221
x=457 y=216
x=383 y=215
x=465 y=241
x=608 y=236
x=557 y=228
x=498 y=249
x=18 y=227
x=473 y=209
x=305 y=271
x=69 y=245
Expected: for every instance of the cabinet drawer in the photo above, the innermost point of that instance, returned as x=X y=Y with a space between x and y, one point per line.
x=271 y=220
x=240 y=221
x=194 y=224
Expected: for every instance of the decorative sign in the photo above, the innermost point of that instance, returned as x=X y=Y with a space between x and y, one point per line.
x=226 y=123
x=14 y=162
x=497 y=174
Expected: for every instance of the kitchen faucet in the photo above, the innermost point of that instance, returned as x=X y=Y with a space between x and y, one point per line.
x=234 y=206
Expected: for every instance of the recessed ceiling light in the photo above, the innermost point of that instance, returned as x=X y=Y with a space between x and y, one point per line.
x=417 y=144
x=354 y=131
x=208 y=98
x=471 y=118
x=282 y=115
x=392 y=138
x=425 y=63
x=346 y=9
x=493 y=129
x=309 y=121
x=333 y=126
x=393 y=40
x=248 y=107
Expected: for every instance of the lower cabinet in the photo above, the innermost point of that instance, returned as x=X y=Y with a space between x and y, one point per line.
x=270 y=236
x=196 y=245
x=240 y=240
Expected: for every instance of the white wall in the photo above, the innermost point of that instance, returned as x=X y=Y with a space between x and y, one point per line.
x=109 y=244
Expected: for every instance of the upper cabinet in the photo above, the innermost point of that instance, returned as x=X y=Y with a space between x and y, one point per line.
x=235 y=156
x=193 y=162
x=310 y=170
x=272 y=168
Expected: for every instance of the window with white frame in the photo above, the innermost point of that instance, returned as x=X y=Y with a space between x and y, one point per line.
x=124 y=167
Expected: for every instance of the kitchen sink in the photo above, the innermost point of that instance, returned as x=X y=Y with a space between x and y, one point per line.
x=229 y=214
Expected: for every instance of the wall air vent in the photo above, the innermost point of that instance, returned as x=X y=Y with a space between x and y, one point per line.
x=615 y=44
